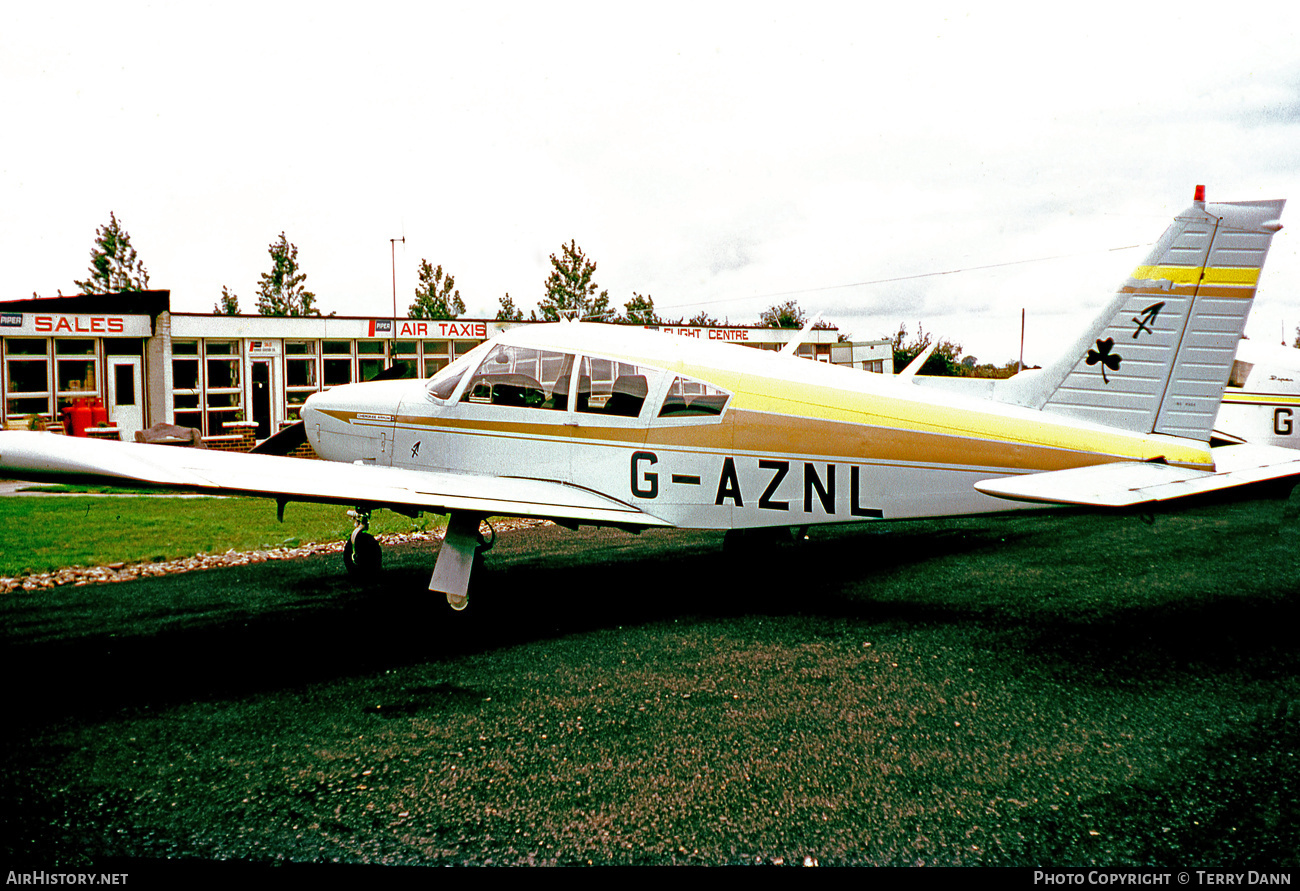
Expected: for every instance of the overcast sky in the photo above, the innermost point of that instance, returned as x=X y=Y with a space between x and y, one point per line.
x=716 y=156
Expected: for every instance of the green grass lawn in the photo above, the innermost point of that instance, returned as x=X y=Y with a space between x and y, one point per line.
x=41 y=534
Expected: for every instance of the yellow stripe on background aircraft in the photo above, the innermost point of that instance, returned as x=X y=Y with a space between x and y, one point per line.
x=590 y=424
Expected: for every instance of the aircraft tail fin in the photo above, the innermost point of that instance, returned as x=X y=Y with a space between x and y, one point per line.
x=1158 y=357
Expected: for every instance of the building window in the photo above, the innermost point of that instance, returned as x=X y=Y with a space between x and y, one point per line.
x=27 y=377
x=437 y=355
x=185 y=384
x=336 y=362
x=75 y=363
x=299 y=374
x=370 y=358
x=406 y=354
x=221 y=388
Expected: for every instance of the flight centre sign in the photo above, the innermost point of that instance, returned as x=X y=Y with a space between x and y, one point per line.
x=728 y=335
x=55 y=324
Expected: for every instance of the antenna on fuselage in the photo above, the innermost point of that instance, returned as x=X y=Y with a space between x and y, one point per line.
x=915 y=365
x=798 y=340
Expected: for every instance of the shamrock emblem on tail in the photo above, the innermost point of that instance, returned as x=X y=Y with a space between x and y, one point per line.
x=1104 y=355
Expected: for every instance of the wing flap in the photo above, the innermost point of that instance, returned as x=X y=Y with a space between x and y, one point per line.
x=1127 y=484
x=50 y=457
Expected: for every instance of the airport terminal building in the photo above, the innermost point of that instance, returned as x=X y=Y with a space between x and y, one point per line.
x=144 y=364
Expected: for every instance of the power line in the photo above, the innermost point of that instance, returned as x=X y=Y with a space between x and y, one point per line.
x=904 y=278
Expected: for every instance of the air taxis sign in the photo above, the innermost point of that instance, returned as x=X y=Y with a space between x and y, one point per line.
x=75 y=325
x=440 y=329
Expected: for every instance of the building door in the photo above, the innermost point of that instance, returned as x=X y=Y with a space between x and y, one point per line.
x=125 y=395
x=262 y=397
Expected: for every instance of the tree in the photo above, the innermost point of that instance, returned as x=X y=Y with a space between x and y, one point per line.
x=114 y=266
x=570 y=289
x=703 y=320
x=641 y=310
x=435 y=297
x=228 y=305
x=281 y=292
x=508 y=312
x=784 y=315
x=944 y=361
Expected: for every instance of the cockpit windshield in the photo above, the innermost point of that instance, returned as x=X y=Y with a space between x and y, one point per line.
x=444 y=383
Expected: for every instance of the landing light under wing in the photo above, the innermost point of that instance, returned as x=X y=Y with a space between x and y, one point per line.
x=293 y=479
x=1128 y=484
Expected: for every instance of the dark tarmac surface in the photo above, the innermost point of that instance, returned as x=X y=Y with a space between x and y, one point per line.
x=1012 y=691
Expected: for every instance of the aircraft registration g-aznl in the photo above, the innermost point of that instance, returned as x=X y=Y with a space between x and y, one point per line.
x=604 y=425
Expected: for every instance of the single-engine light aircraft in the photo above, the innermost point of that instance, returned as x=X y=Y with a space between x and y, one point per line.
x=589 y=424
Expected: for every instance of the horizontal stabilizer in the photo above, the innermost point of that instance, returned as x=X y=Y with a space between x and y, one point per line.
x=1127 y=483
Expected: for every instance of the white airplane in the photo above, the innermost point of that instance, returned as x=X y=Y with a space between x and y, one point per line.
x=589 y=424
x=1262 y=401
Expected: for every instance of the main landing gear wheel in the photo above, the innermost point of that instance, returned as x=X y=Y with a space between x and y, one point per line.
x=361 y=553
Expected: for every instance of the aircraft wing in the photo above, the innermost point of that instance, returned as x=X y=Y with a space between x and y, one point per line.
x=1128 y=483
x=44 y=456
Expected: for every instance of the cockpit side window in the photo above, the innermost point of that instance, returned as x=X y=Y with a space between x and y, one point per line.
x=691 y=398
x=521 y=377
x=614 y=389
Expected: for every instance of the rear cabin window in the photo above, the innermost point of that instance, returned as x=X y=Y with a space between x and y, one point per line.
x=691 y=398
x=1240 y=372
x=521 y=377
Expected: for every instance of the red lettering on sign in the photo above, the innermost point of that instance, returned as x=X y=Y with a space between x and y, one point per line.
x=116 y=326
x=44 y=323
x=62 y=325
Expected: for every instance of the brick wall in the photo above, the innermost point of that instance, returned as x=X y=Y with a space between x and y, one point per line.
x=241 y=436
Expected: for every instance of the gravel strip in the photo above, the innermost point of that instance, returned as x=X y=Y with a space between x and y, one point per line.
x=123 y=572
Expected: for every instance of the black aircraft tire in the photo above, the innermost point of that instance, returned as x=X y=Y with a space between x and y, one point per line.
x=362 y=555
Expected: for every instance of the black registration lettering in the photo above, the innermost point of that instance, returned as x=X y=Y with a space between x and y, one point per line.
x=1282 y=421
x=855 y=492
x=644 y=483
x=812 y=483
x=765 y=500
x=729 y=484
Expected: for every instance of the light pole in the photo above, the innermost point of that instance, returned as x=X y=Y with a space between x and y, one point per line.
x=393 y=349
